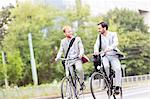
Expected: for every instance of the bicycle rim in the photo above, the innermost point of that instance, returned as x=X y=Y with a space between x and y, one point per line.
x=98 y=84
x=66 y=89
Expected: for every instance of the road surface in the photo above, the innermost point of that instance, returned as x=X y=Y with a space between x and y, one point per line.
x=128 y=93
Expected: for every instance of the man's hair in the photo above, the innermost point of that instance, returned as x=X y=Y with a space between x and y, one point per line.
x=103 y=24
x=66 y=27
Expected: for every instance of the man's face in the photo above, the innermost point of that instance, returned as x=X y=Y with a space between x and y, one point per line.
x=68 y=32
x=101 y=29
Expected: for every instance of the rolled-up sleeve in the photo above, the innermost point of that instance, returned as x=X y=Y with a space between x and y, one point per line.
x=81 y=48
x=96 y=45
x=60 y=50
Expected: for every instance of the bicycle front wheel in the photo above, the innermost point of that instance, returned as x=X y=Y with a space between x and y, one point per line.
x=66 y=89
x=98 y=86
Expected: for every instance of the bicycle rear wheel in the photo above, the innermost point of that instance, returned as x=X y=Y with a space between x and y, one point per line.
x=66 y=89
x=98 y=86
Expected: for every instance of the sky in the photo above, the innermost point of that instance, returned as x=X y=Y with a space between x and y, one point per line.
x=4 y=3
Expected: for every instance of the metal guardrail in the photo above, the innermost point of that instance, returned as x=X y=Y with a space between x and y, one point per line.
x=136 y=78
x=134 y=81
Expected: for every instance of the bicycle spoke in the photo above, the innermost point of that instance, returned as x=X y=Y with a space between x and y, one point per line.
x=98 y=85
x=66 y=89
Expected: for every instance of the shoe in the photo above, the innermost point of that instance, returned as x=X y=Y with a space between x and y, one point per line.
x=82 y=86
x=117 y=90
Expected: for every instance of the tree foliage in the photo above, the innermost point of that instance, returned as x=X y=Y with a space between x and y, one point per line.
x=4 y=21
x=136 y=46
x=127 y=20
x=39 y=20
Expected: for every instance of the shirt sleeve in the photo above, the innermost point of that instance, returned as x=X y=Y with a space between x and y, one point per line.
x=114 y=41
x=60 y=50
x=96 y=45
x=81 y=48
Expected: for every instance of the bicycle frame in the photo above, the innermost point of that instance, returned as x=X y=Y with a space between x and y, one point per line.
x=108 y=79
x=72 y=80
x=111 y=74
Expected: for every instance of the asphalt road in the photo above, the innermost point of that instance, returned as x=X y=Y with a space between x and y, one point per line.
x=128 y=93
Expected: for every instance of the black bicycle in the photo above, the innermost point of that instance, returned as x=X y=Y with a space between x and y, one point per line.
x=101 y=83
x=70 y=86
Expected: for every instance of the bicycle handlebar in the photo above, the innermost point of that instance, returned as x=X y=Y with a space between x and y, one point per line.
x=102 y=53
x=68 y=59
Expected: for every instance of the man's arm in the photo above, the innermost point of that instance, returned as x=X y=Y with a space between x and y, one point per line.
x=96 y=45
x=60 y=51
x=81 y=48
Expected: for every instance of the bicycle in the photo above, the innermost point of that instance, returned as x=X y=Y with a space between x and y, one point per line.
x=100 y=82
x=70 y=86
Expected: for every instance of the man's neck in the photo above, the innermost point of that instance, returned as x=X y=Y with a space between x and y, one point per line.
x=69 y=37
x=105 y=33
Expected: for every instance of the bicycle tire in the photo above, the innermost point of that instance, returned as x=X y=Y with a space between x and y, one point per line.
x=66 y=89
x=97 y=85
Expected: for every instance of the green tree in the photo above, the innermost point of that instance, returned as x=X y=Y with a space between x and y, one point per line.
x=127 y=20
x=35 y=19
x=136 y=46
x=4 y=21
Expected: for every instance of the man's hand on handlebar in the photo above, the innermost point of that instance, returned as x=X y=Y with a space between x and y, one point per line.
x=102 y=52
x=98 y=53
x=56 y=59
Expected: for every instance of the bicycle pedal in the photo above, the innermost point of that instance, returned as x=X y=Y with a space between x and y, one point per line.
x=116 y=94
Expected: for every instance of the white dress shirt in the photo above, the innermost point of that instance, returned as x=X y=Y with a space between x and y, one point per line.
x=110 y=41
x=72 y=52
x=75 y=50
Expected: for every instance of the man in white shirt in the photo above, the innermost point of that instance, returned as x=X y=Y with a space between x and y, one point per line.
x=109 y=42
x=76 y=50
